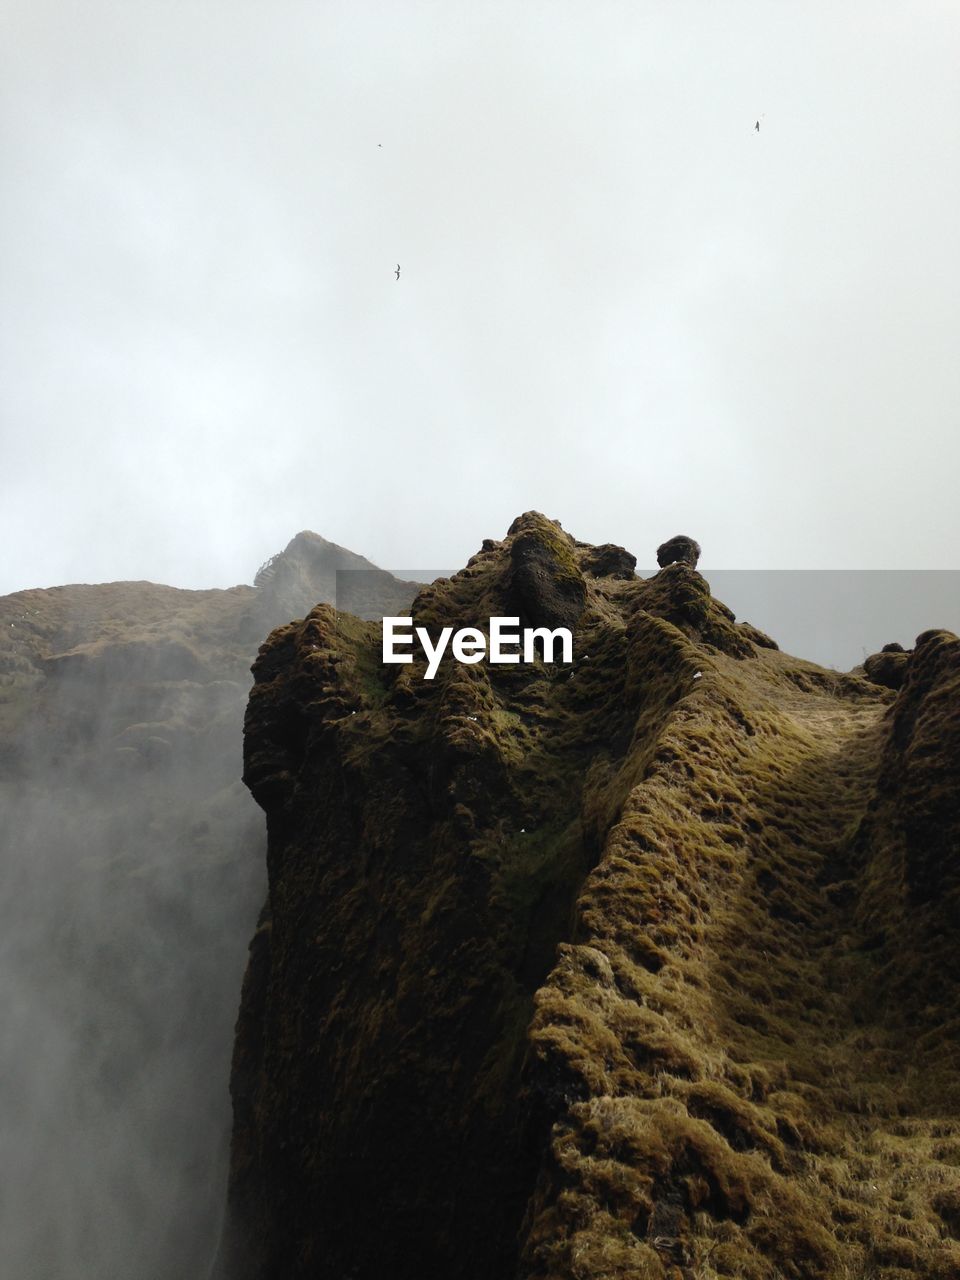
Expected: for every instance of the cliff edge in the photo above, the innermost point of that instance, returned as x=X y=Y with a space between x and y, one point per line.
x=639 y=967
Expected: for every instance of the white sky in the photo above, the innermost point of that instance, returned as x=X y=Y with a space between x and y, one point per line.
x=618 y=303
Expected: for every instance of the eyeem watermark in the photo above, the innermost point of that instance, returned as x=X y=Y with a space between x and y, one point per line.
x=506 y=643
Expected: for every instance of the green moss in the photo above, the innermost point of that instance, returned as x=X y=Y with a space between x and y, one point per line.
x=640 y=944
x=560 y=546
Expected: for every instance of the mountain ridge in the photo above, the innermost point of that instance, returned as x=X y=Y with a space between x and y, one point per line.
x=600 y=971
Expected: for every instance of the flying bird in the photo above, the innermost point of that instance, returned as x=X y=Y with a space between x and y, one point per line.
x=757 y=126
x=398 y=271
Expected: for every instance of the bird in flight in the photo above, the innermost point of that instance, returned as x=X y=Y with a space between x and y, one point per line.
x=398 y=271
x=757 y=125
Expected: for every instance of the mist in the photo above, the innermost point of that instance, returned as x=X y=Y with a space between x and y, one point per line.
x=131 y=879
x=838 y=617
x=620 y=304
x=121 y=960
x=132 y=870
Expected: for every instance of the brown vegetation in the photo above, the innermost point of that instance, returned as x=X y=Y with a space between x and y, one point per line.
x=638 y=969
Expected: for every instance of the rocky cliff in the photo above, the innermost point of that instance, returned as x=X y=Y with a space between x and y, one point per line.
x=131 y=861
x=642 y=967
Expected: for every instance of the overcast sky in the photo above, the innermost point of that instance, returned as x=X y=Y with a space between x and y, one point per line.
x=619 y=303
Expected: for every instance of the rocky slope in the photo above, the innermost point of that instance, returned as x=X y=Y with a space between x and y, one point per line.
x=131 y=862
x=640 y=968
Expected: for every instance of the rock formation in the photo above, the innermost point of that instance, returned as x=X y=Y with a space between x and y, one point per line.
x=889 y=666
x=642 y=968
x=680 y=549
x=311 y=569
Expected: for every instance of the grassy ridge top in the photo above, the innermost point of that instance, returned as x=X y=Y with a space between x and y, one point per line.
x=752 y=1086
x=598 y=970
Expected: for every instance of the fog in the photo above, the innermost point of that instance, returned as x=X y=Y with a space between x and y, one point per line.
x=838 y=617
x=619 y=303
x=131 y=873
x=121 y=961
x=832 y=617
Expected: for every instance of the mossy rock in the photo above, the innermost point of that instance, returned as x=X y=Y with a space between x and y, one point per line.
x=546 y=584
x=888 y=668
x=641 y=966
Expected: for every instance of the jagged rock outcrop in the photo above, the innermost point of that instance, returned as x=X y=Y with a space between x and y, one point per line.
x=681 y=549
x=889 y=666
x=608 y=561
x=311 y=569
x=132 y=862
x=547 y=587
x=639 y=968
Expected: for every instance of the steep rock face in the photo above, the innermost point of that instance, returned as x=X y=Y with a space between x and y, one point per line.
x=641 y=967
x=310 y=569
x=131 y=859
x=923 y=768
x=889 y=667
x=547 y=587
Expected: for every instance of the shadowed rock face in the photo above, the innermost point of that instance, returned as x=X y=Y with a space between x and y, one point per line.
x=923 y=770
x=889 y=667
x=681 y=548
x=609 y=561
x=603 y=971
x=546 y=583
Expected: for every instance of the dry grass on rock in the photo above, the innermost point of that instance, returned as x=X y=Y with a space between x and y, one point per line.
x=646 y=963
